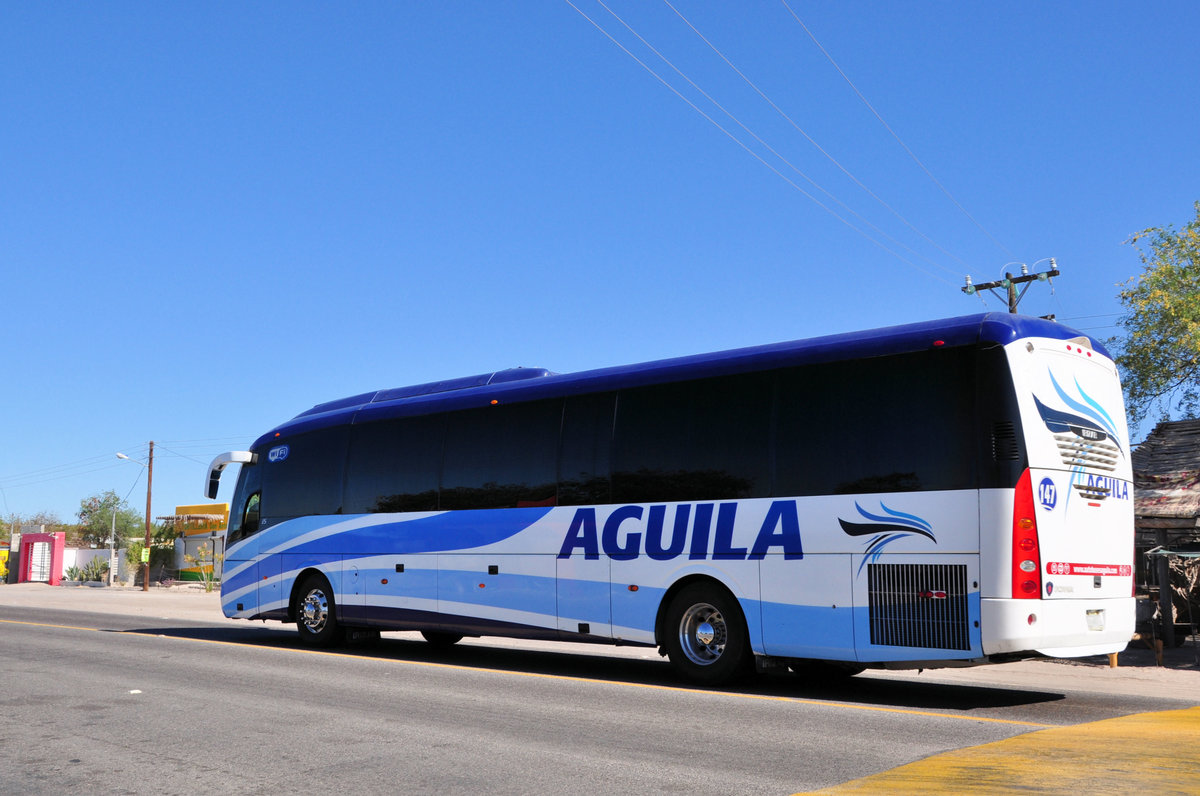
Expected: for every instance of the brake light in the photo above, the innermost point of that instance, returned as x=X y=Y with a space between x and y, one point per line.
x=1026 y=558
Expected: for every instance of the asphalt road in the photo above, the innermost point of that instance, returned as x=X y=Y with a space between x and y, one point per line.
x=115 y=703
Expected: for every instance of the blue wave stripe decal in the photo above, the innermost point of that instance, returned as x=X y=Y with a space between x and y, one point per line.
x=1060 y=422
x=1097 y=414
x=915 y=523
x=896 y=525
x=868 y=528
x=1096 y=405
x=875 y=548
x=913 y=517
x=240 y=581
x=439 y=533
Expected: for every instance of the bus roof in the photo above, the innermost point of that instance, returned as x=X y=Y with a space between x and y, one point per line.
x=526 y=384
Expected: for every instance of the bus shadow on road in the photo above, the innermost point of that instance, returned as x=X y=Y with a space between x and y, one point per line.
x=913 y=696
x=637 y=671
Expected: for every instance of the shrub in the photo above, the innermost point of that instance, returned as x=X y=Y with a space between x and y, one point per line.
x=95 y=569
x=205 y=561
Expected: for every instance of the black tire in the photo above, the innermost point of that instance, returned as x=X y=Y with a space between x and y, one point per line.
x=441 y=639
x=704 y=633
x=316 y=613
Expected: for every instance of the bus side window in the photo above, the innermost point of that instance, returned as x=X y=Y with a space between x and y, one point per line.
x=706 y=439
x=393 y=465
x=251 y=514
x=306 y=478
x=899 y=423
x=244 y=508
x=502 y=456
x=583 y=461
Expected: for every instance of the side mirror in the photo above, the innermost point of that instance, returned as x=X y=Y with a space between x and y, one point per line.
x=219 y=464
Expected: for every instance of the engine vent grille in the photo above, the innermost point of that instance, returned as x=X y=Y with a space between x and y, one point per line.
x=1093 y=492
x=919 y=605
x=1076 y=452
x=1004 y=442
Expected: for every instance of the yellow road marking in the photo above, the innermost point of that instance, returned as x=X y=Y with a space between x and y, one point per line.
x=571 y=678
x=1155 y=753
x=44 y=624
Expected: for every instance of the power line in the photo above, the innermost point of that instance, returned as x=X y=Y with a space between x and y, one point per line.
x=1088 y=317
x=161 y=447
x=811 y=140
x=227 y=438
x=136 y=479
x=91 y=460
x=95 y=464
x=767 y=146
x=33 y=479
x=22 y=483
x=746 y=148
x=894 y=135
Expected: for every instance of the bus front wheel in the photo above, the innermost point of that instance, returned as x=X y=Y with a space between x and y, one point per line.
x=705 y=635
x=316 y=613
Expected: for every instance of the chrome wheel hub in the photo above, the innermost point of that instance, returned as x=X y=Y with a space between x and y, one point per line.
x=314 y=610
x=702 y=634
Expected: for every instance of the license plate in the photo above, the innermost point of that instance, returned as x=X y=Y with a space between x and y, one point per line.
x=1095 y=619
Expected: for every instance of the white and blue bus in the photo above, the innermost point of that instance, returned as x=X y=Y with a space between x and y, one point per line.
x=946 y=493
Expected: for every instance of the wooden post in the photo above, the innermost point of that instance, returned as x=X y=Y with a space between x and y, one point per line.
x=1166 y=606
x=149 y=483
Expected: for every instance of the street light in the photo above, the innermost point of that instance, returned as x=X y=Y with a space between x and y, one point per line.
x=149 y=484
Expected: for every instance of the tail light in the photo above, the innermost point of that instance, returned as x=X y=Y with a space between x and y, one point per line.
x=1026 y=556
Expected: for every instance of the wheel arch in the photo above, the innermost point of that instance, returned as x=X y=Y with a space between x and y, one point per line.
x=680 y=585
x=302 y=576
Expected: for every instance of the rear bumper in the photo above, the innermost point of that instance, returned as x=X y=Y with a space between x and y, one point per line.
x=1060 y=628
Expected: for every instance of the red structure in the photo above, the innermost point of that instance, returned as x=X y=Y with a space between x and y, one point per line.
x=42 y=558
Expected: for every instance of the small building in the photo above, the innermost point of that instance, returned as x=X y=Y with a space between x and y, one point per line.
x=40 y=557
x=1166 y=480
x=200 y=548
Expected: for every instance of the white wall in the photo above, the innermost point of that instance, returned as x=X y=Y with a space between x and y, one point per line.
x=82 y=556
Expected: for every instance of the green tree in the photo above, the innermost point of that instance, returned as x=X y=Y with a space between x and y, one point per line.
x=1159 y=354
x=162 y=548
x=96 y=519
x=15 y=522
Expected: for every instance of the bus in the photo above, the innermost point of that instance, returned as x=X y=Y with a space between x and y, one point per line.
x=945 y=493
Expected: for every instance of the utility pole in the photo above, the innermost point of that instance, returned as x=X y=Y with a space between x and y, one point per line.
x=1010 y=282
x=146 y=549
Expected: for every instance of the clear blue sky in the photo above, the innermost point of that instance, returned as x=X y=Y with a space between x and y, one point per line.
x=215 y=215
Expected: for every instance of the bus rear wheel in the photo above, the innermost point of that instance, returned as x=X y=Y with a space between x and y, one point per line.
x=316 y=613
x=705 y=635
